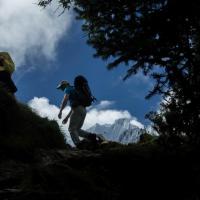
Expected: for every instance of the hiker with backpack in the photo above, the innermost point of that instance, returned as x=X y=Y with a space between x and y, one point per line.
x=79 y=97
x=7 y=67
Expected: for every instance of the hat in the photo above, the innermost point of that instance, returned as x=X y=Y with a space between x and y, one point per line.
x=63 y=85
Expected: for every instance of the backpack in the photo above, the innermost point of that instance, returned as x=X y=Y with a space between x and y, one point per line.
x=83 y=92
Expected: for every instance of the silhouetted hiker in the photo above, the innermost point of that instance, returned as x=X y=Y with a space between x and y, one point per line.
x=79 y=97
x=7 y=67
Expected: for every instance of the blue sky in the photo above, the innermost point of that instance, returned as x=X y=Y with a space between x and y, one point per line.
x=42 y=64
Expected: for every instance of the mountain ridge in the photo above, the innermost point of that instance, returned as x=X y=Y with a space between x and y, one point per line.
x=122 y=130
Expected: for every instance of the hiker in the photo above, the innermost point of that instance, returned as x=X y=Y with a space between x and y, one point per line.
x=7 y=67
x=79 y=97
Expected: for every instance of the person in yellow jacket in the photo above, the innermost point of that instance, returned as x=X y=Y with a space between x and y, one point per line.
x=7 y=67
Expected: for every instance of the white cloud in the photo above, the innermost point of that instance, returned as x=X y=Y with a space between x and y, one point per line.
x=101 y=116
x=43 y=107
x=104 y=104
x=104 y=116
x=28 y=30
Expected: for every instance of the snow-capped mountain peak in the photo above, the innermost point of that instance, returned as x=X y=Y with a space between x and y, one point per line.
x=122 y=130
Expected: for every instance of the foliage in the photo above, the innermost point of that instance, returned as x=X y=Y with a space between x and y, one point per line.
x=177 y=121
x=148 y=33
x=147 y=138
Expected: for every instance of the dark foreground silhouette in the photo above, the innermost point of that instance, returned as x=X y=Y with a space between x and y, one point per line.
x=35 y=163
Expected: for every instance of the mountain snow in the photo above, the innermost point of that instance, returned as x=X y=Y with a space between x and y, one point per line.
x=122 y=130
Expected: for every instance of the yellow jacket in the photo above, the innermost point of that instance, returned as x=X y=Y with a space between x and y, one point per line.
x=8 y=64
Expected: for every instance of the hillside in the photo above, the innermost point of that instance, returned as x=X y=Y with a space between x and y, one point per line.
x=37 y=164
x=22 y=131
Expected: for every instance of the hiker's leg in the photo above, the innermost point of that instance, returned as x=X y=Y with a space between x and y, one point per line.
x=74 y=126
x=84 y=134
x=81 y=132
x=76 y=122
x=91 y=136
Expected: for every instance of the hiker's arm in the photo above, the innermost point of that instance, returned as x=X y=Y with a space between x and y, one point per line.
x=69 y=114
x=67 y=117
x=63 y=104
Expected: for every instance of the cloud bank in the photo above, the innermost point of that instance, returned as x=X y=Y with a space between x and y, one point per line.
x=29 y=31
x=100 y=114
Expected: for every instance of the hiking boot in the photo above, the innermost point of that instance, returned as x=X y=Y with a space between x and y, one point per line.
x=92 y=138
x=83 y=144
x=87 y=145
x=100 y=138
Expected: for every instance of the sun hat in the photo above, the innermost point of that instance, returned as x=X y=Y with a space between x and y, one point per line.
x=62 y=85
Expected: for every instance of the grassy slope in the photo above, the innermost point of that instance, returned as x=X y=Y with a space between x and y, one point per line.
x=114 y=172
x=21 y=130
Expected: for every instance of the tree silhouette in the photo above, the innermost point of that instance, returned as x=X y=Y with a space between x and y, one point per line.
x=159 y=37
